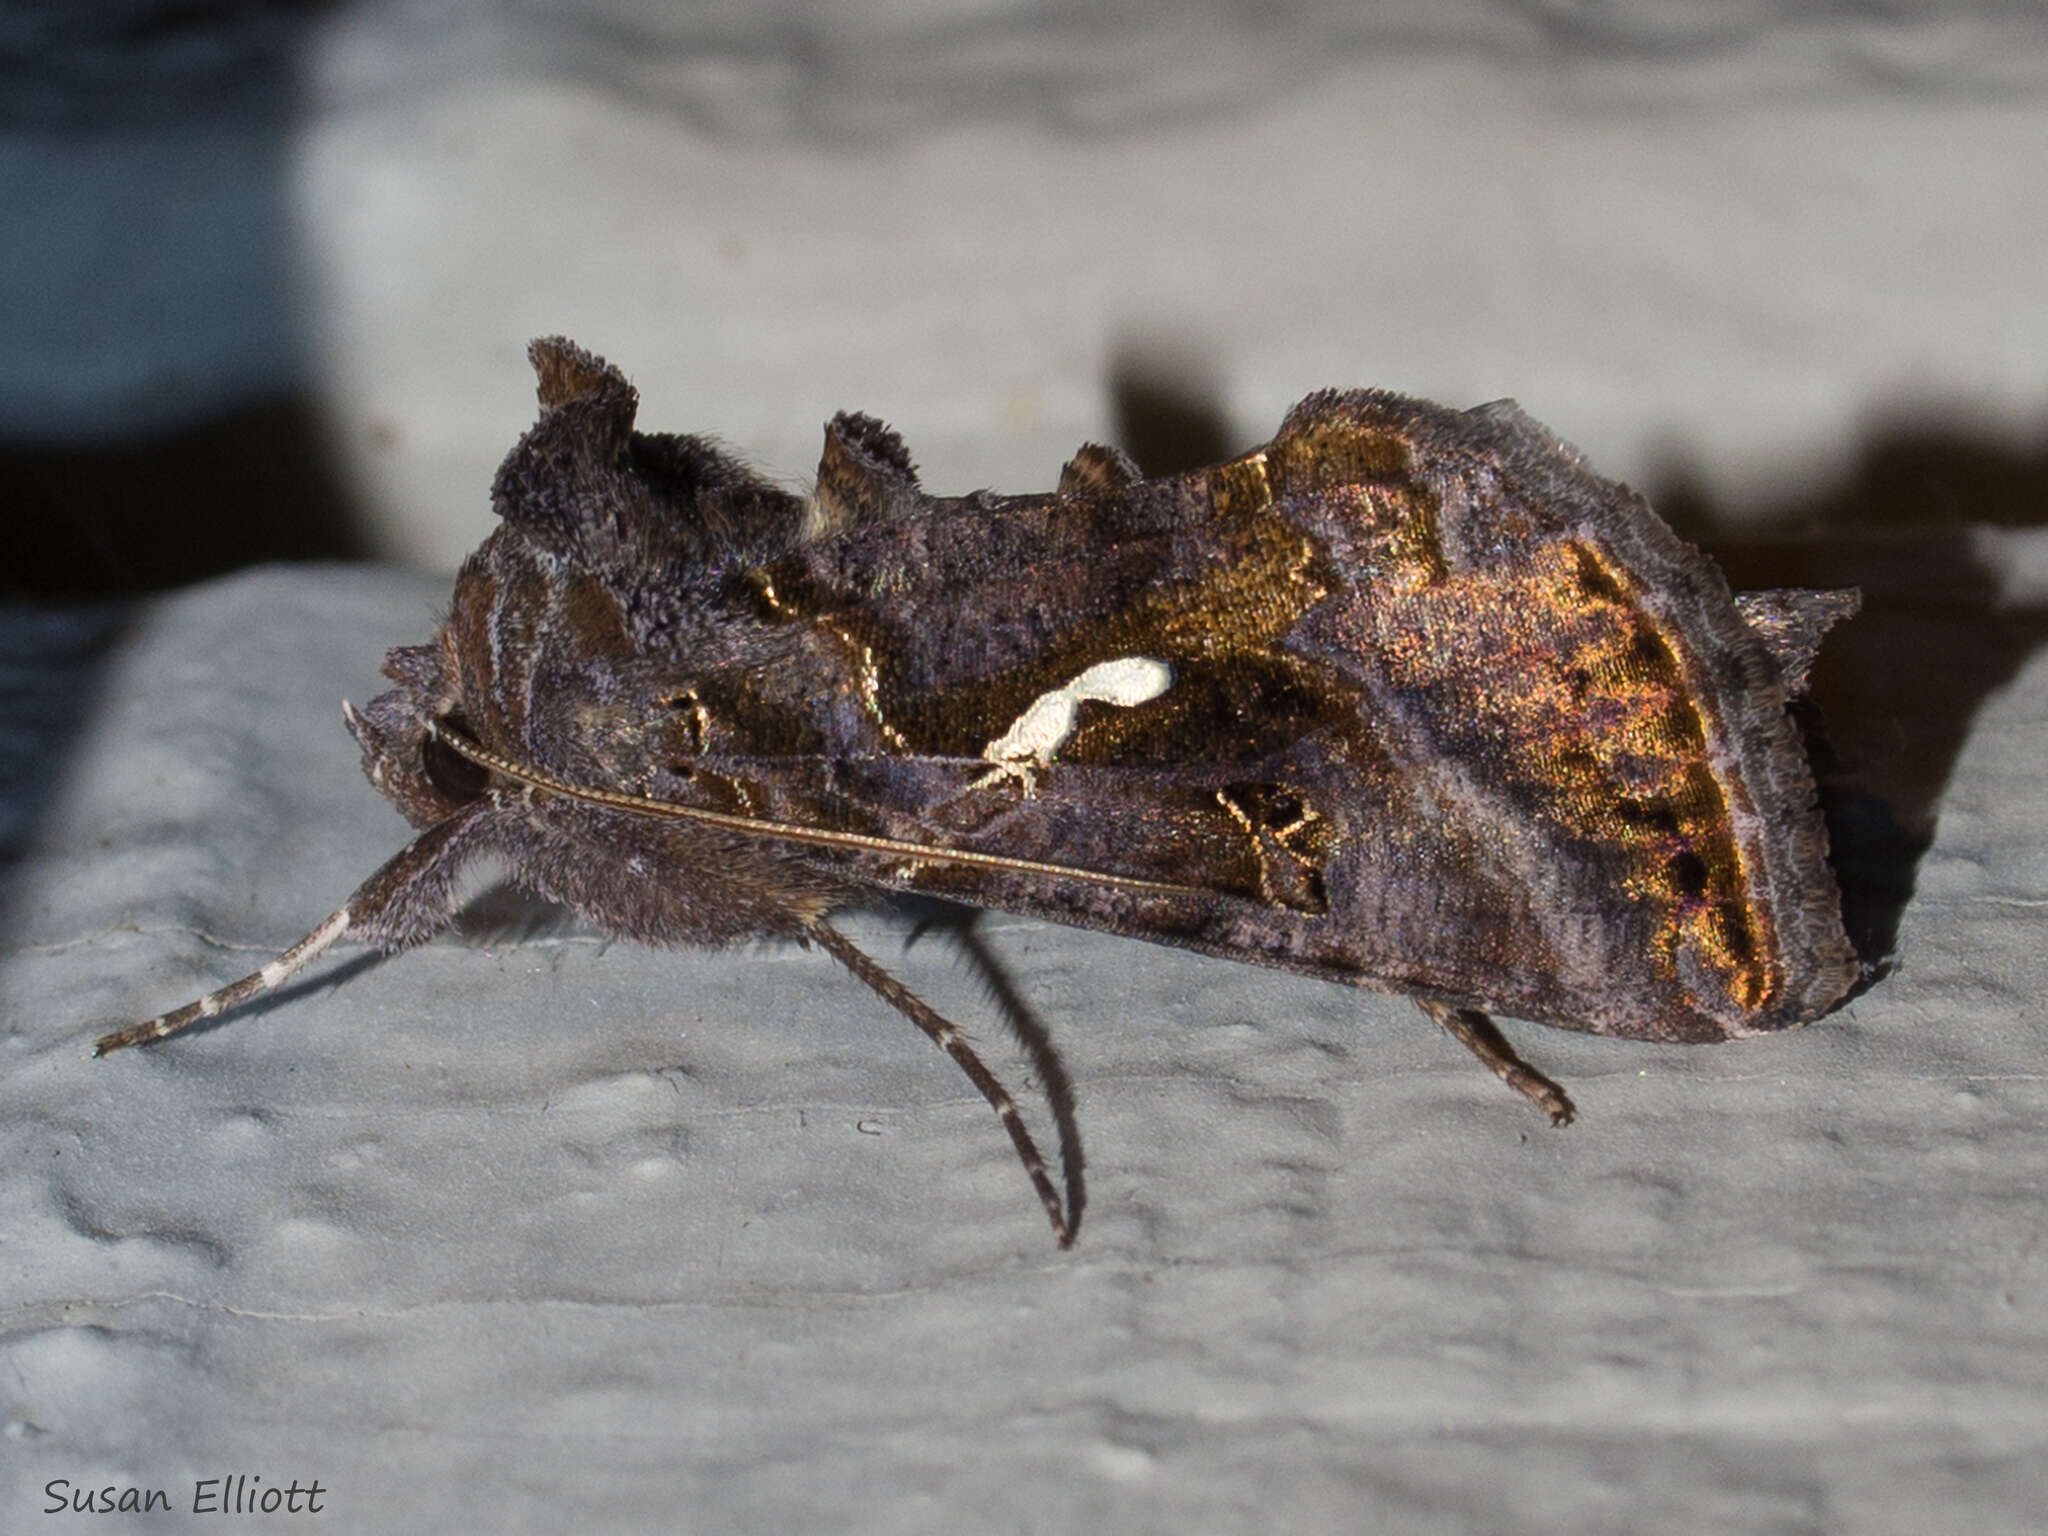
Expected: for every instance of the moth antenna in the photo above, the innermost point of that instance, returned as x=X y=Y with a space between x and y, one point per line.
x=947 y=1038
x=787 y=832
x=272 y=976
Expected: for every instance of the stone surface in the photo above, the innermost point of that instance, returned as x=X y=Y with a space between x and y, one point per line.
x=527 y=1229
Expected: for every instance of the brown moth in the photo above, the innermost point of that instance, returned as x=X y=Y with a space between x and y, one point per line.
x=1408 y=698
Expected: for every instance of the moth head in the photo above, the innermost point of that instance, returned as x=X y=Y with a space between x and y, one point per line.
x=417 y=772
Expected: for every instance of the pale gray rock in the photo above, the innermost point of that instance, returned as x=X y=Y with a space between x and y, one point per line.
x=523 y=1228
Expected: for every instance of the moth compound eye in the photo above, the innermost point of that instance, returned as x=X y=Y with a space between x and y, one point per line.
x=456 y=778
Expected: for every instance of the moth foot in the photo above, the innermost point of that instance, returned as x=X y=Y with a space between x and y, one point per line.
x=1538 y=1090
x=1551 y=1099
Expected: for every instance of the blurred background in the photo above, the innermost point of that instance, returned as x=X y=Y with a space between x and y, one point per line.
x=269 y=268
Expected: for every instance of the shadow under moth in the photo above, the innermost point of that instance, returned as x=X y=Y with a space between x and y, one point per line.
x=1408 y=698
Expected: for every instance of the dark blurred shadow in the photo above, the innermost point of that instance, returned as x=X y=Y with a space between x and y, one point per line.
x=49 y=660
x=141 y=514
x=159 y=426
x=1165 y=406
x=503 y=914
x=1898 y=686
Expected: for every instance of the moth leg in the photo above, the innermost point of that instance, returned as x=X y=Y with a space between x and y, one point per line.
x=949 y=1039
x=275 y=974
x=407 y=901
x=1047 y=1068
x=1479 y=1035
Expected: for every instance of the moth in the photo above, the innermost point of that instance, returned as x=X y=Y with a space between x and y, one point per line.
x=1407 y=698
